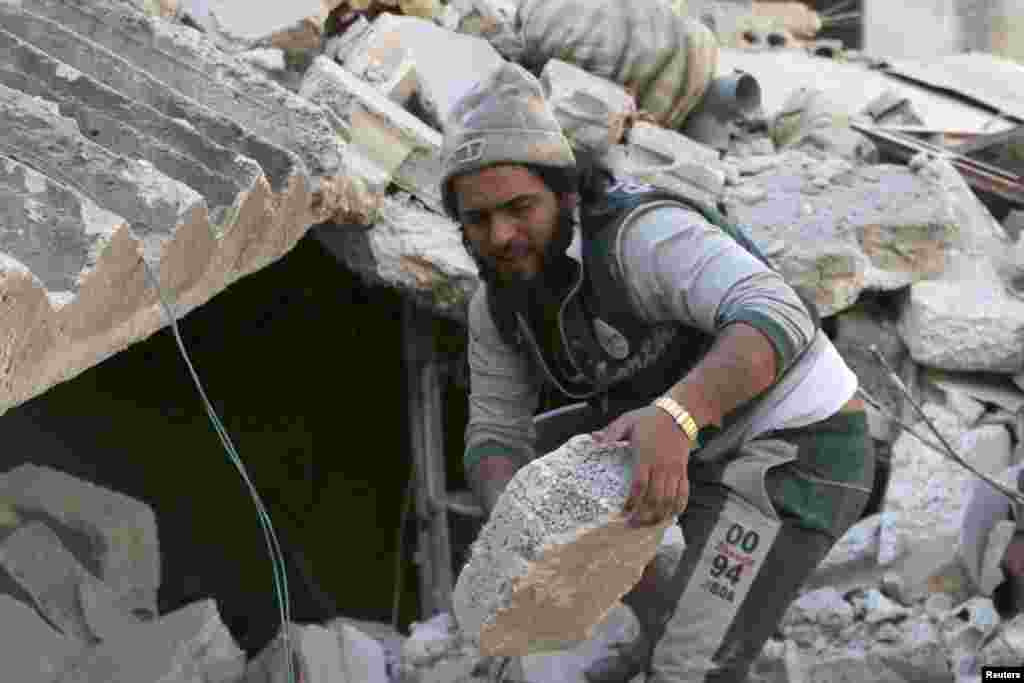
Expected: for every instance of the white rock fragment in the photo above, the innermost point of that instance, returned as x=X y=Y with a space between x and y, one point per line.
x=556 y=554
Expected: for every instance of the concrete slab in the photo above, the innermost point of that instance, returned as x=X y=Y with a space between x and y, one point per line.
x=40 y=564
x=32 y=652
x=592 y=111
x=184 y=60
x=185 y=645
x=34 y=72
x=556 y=554
x=113 y=536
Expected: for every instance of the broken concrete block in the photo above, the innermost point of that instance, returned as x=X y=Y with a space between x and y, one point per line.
x=988 y=448
x=967 y=325
x=869 y=227
x=382 y=61
x=556 y=554
x=319 y=656
x=991 y=389
x=619 y=628
x=810 y=118
x=186 y=61
x=31 y=651
x=592 y=111
x=34 y=557
x=386 y=645
x=878 y=608
x=190 y=644
x=122 y=547
x=414 y=250
x=444 y=75
x=1007 y=646
x=825 y=607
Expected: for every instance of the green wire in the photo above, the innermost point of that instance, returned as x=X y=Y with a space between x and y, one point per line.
x=276 y=555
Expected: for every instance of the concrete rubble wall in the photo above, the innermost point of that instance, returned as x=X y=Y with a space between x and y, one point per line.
x=131 y=144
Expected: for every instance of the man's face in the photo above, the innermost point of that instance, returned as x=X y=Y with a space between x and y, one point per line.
x=509 y=216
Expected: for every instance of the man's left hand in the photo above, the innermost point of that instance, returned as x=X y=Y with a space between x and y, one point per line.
x=661 y=451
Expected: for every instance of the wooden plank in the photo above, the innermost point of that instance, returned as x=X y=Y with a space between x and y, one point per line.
x=427 y=441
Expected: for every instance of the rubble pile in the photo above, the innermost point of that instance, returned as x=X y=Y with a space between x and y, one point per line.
x=187 y=143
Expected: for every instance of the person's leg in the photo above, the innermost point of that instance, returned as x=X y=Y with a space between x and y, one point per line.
x=752 y=544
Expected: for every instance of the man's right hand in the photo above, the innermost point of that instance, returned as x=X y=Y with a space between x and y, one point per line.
x=489 y=478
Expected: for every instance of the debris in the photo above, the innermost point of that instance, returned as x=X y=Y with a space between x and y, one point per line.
x=671 y=58
x=534 y=556
x=112 y=535
x=188 y=644
x=810 y=118
x=592 y=111
x=32 y=651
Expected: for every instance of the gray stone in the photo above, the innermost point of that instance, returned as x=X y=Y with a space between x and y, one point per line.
x=31 y=651
x=970 y=325
x=995 y=390
x=875 y=227
x=825 y=607
x=879 y=608
x=238 y=20
x=184 y=60
x=413 y=250
x=988 y=448
x=190 y=644
x=592 y=111
x=810 y=118
x=542 y=572
x=443 y=74
x=321 y=655
x=266 y=58
x=381 y=130
x=620 y=627
x=114 y=536
x=385 y=65
x=50 y=574
x=1007 y=646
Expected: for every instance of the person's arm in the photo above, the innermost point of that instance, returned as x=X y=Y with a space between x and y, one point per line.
x=678 y=267
x=503 y=398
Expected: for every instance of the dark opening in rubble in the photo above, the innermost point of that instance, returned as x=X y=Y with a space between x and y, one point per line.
x=303 y=365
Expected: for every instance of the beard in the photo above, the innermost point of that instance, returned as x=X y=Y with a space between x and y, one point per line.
x=520 y=290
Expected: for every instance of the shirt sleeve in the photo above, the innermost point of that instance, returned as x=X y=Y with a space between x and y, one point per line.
x=678 y=266
x=504 y=394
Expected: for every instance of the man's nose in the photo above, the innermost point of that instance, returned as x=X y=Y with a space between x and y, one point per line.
x=503 y=228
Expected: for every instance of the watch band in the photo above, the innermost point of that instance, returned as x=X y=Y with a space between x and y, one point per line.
x=679 y=414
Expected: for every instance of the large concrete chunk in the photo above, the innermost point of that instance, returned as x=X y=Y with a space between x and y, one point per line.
x=31 y=651
x=443 y=74
x=556 y=554
x=187 y=61
x=217 y=172
x=382 y=130
x=40 y=564
x=413 y=250
x=592 y=111
x=967 y=325
x=321 y=655
x=191 y=644
x=113 y=535
x=841 y=229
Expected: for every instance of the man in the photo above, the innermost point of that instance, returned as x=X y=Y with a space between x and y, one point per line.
x=991 y=544
x=758 y=445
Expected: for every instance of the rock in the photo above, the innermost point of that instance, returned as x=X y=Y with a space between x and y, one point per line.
x=879 y=608
x=1013 y=224
x=810 y=668
x=386 y=65
x=971 y=325
x=444 y=75
x=592 y=111
x=112 y=535
x=988 y=448
x=810 y=118
x=991 y=389
x=1007 y=646
x=290 y=25
x=189 y=644
x=619 y=627
x=413 y=250
x=825 y=607
x=938 y=604
x=557 y=545
x=382 y=131
x=437 y=652
x=876 y=227
x=31 y=651
x=858 y=545
x=387 y=642
x=268 y=59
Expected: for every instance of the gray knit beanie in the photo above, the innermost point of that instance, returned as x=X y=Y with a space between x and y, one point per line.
x=504 y=118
